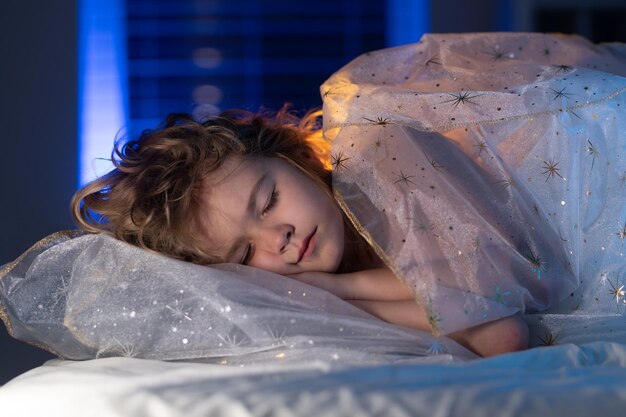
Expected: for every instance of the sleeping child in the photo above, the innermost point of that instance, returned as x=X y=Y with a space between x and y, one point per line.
x=457 y=184
x=470 y=178
x=245 y=189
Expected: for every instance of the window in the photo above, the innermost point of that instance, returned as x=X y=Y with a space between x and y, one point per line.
x=203 y=56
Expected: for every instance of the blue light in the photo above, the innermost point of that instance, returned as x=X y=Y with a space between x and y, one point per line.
x=102 y=83
x=407 y=21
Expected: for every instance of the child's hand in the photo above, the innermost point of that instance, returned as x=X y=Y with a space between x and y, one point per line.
x=372 y=284
x=338 y=284
x=381 y=294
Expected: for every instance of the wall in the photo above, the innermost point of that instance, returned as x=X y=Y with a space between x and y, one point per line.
x=38 y=137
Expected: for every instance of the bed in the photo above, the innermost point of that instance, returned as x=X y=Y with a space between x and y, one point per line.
x=565 y=380
x=326 y=359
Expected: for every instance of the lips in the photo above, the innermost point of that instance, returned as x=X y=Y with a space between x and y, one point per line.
x=305 y=244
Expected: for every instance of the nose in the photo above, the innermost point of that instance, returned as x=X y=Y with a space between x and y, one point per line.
x=275 y=238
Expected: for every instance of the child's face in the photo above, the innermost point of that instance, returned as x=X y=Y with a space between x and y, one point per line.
x=266 y=213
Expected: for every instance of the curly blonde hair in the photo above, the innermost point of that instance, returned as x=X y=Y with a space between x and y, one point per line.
x=152 y=197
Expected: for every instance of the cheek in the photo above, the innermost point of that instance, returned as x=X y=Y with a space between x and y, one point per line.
x=337 y=256
x=267 y=262
x=336 y=219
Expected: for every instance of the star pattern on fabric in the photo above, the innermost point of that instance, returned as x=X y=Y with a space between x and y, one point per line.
x=622 y=232
x=555 y=203
x=433 y=60
x=551 y=169
x=379 y=121
x=499 y=296
x=126 y=350
x=480 y=146
x=561 y=68
x=425 y=228
x=378 y=143
x=435 y=165
x=617 y=291
x=463 y=97
x=592 y=151
x=538 y=263
x=277 y=336
x=328 y=93
x=574 y=113
x=504 y=183
x=436 y=348
x=560 y=93
x=536 y=209
x=404 y=179
x=60 y=293
x=178 y=311
x=232 y=341
x=339 y=161
x=497 y=53
x=548 y=338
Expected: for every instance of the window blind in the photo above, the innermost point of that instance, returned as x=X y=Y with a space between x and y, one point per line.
x=203 y=56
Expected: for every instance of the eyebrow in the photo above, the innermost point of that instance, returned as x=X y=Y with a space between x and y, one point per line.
x=249 y=210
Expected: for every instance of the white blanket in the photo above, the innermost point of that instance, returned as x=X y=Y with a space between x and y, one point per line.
x=566 y=380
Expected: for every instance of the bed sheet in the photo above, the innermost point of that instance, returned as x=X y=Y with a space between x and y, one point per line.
x=568 y=380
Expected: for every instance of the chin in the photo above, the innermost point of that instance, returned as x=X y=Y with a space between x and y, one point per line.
x=331 y=266
x=334 y=267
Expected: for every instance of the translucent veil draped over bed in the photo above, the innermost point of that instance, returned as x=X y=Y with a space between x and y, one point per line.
x=92 y=296
x=487 y=170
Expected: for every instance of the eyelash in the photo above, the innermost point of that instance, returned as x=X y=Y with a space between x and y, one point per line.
x=270 y=205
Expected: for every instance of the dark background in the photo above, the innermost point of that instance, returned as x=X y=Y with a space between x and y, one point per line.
x=285 y=50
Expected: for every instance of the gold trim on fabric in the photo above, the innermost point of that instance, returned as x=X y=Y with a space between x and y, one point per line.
x=452 y=126
x=9 y=267
x=43 y=347
x=5 y=319
x=381 y=253
x=40 y=244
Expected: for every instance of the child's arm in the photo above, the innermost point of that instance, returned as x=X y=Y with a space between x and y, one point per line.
x=505 y=335
x=380 y=293
x=373 y=284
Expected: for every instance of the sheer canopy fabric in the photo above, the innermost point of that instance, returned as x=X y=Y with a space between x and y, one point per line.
x=487 y=169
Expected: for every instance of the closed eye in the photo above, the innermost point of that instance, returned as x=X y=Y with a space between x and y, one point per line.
x=271 y=203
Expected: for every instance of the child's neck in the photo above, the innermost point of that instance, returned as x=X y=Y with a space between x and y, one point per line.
x=358 y=255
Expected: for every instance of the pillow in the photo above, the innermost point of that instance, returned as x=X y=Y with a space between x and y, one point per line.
x=89 y=296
